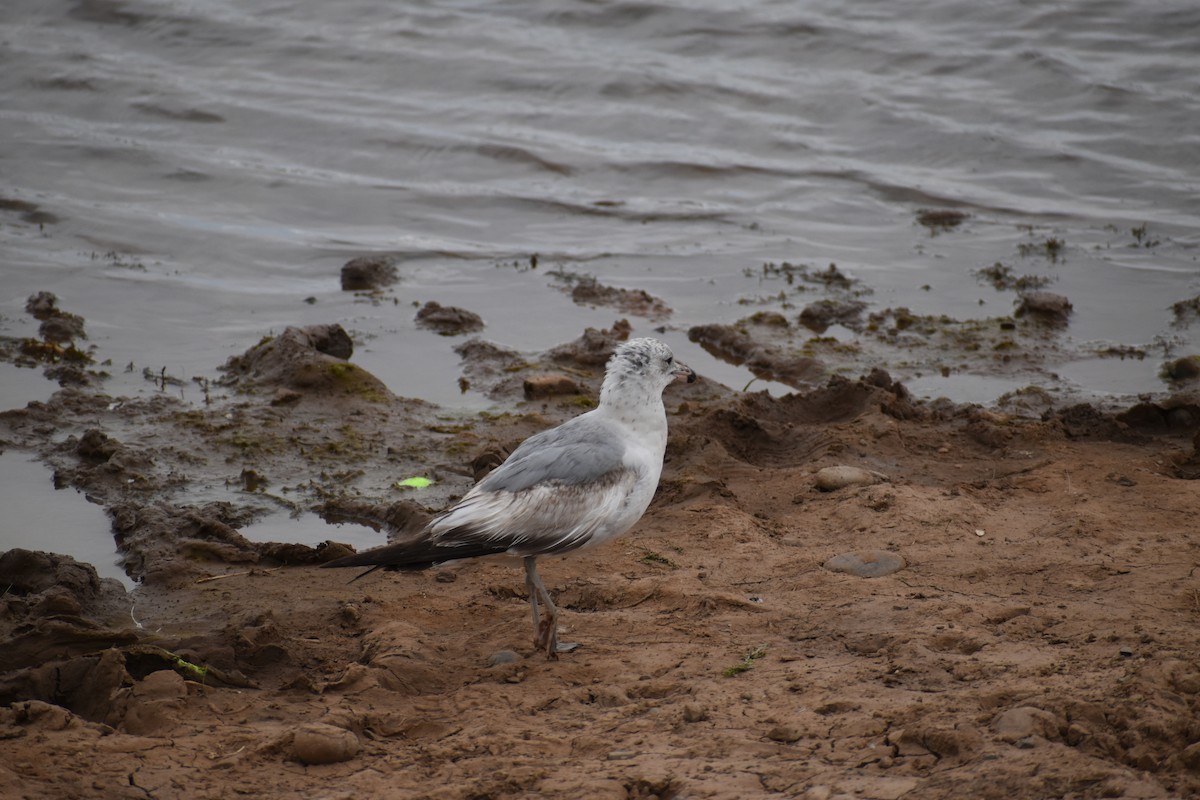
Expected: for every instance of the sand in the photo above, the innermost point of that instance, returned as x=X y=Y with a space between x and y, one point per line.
x=1037 y=640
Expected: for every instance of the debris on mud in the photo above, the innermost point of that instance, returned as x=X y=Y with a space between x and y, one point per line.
x=587 y=291
x=1182 y=370
x=57 y=325
x=822 y=314
x=1186 y=311
x=734 y=344
x=1046 y=306
x=312 y=361
x=1001 y=277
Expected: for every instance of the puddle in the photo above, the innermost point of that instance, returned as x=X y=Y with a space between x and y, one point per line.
x=39 y=517
x=20 y=386
x=311 y=530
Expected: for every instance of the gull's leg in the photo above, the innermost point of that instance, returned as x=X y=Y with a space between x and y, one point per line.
x=547 y=629
x=531 y=586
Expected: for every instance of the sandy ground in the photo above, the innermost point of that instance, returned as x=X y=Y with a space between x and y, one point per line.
x=1039 y=640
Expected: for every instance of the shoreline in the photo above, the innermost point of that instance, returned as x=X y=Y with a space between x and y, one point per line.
x=1037 y=636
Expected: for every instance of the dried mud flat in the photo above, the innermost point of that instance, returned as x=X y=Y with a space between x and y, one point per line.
x=1038 y=641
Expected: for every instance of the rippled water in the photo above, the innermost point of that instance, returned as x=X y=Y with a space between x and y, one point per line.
x=201 y=168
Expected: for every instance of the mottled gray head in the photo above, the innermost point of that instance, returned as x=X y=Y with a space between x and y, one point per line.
x=647 y=364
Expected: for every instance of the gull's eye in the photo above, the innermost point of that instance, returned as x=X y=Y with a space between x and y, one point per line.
x=670 y=360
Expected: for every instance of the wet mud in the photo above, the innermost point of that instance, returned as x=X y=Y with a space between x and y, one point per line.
x=843 y=591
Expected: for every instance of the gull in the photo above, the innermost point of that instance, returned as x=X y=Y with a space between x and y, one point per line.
x=561 y=491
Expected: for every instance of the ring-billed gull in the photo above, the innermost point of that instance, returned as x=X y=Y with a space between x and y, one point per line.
x=562 y=490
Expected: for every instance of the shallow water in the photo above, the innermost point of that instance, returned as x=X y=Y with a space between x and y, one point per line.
x=201 y=170
x=39 y=517
x=211 y=166
x=311 y=530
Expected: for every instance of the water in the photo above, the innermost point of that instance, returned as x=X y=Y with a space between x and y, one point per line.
x=208 y=167
x=38 y=517
x=311 y=530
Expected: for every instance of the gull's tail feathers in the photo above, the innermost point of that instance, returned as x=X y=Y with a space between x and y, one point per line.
x=414 y=556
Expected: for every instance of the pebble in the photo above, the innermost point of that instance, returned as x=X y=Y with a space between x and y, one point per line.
x=867 y=563
x=694 y=713
x=319 y=743
x=832 y=478
x=503 y=657
x=785 y=734
x=367 y=273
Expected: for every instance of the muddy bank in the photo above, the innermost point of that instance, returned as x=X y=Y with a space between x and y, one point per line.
x=984 y=601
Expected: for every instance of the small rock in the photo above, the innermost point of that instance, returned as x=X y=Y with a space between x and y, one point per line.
x=621 y=755
x=319 y=743
x=448 y=320
x=547 y=385
x=785 y=734
x=1028 y=743
x=694 y=713
x=367 y=273
x=503 y=657
x=867 y=563
x=832 y=478
x=332 y=340
x=1126 y=652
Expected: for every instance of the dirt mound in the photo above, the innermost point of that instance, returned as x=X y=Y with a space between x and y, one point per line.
x=637 y=302
x=310 y=361
x=732 y=344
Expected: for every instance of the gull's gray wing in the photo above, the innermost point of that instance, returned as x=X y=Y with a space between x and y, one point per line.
x=544 y=518
x=559 y=490
x=579 y=451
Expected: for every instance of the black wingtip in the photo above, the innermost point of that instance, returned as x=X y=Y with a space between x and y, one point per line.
x=362 y=574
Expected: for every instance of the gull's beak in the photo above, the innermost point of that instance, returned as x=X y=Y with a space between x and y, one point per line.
x=683 y=372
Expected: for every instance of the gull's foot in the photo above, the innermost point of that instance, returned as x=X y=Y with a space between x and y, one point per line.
x=547 y=638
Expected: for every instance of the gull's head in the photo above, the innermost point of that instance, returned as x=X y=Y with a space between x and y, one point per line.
x=645 y=363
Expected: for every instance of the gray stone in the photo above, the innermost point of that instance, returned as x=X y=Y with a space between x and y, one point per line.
x=833 y=478
x=867 y=563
